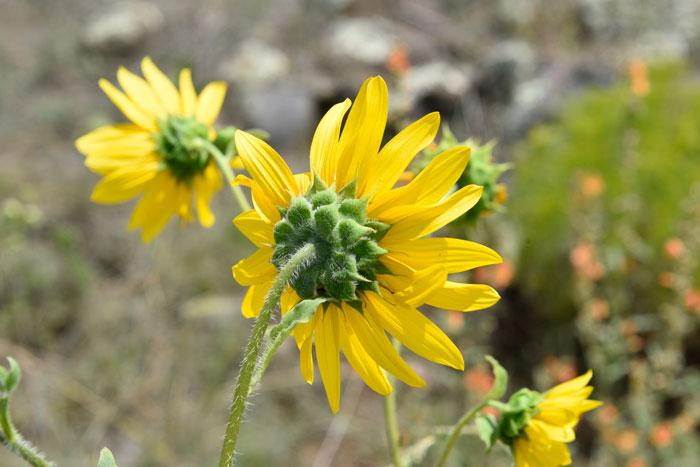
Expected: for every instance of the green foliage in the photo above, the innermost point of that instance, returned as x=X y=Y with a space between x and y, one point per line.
x=106 y=459
x=13 y=376
x=481 y=170
x=500 y=381
x=607 y=201
x=643 y=150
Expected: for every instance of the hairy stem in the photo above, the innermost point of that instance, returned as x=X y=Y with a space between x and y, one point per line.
x=14 y=441
x=392 y=426
x=224 y=165
x=457 y=431
x=253 y=349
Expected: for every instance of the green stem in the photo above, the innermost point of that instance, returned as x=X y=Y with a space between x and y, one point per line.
x=458 y=430
x=14 y=441
x=392 y=426
x=240 y=395
x=224 y=165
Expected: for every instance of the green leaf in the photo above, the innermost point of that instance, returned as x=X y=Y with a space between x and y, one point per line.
x=488 y=430
x=301 y=313
x=106 y=459
x=13 y=376
x=500 y=382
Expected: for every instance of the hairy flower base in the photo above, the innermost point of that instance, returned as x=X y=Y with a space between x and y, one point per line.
x=178 y=142
x=345 y=242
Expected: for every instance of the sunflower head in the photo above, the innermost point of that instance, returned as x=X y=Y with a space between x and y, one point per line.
x=374 y=263
x=537 y=426
x=345 y=242
x=159 y=155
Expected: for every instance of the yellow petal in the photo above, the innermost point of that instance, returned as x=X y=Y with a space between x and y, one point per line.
x=399 y=151
x=423 y=284
x=455 y=254
x=188 y=96
x=557 y=424
x=156 y=206
x=325 y=142
x=288 y=300
x=373 y=339
x=362 y=134
x=184 y=203
x=125 y=183
x=414 y=330
x=140 y=93
x=264 y=205
x=255 y=268
x=362 y=363
x=328 y=355
x=267 y=168
x=255 y=228
x=397 y=268
x=570 y=398
x=520 y=453
x=306 y=360
x=411 y=222
x=431 y=184
x=205 y=185
x=255 y=298
x=574 y=384
x=303 y=182
x=585 y=406
x=242 y=180
x=128 y=108
x=162 y=87
x=210 y=101
x=130 y=138
x=463 y=297
x=237 y=163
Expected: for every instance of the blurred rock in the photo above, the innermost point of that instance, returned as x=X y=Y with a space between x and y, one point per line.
x=255 y=63
x=506 y=64
x=368 y=40
x=438 y=78
x=122 y=27
x=284 y=110
x=660 y=46
x=516 y=13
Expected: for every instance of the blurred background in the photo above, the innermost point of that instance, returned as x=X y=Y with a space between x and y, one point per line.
x=595 y=103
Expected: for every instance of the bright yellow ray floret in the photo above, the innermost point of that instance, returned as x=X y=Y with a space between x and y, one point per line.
x=411 y=271
x=132 y=162
x=546 y=435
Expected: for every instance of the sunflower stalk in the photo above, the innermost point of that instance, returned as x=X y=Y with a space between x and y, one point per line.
x=9 y=436
x=224 y=164
x=497 y=391
x=301 y=313
x=287 y=273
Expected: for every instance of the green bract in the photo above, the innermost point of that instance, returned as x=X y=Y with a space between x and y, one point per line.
x=179 y=142
x=515 y=416
x=345 y=242
x=481 y=170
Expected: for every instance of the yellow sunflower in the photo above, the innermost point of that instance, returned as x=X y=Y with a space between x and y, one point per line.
x=545 y=435
x=157 y=155
x=372 y=263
